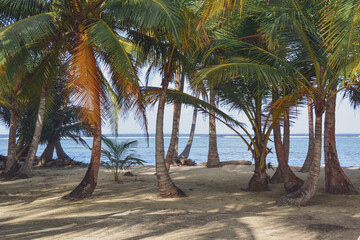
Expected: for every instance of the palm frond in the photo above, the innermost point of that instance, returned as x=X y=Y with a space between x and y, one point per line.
x=85 y=83
x=27 y=32
x=18 y=9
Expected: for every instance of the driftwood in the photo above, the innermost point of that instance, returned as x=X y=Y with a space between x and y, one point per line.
x=223 y=163
x=185 y=162
x=64 y=163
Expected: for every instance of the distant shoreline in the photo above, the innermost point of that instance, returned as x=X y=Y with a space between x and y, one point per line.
x=196 y=134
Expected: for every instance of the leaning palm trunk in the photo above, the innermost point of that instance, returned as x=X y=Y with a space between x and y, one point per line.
x=336 y=180
x=174 y=141
x=166 y=186
x=285 y=146
x=26 y=168
x=61 y=154
x=308 y=189
x=11 y=166
x=213 y=156
x=310 y=153
x=47 y=155
x=87 y=186
x=291 y=182
x=286 y=138
x=185 y=153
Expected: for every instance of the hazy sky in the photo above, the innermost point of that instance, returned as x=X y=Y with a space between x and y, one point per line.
x=347 y=119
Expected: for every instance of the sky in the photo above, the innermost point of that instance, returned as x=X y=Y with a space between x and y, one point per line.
x=347 y=119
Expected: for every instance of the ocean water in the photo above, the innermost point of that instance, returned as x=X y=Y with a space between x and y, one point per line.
x=230 y=147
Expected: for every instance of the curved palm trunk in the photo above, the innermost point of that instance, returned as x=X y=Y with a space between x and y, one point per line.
x=286 y=139
x=336 y=180
x=213 y=156
x=185 y=153
x=87 y=186
x=308 y=189
x=26 y=168
x=285 y=145
x=291 y=182
x=310 y=153
x=259 y=182
x=47 y=155
x=61 y=154
x=174 y=141
x=166 y=186
x=11 y=166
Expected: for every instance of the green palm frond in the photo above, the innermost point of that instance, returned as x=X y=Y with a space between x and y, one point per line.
x=18 y=9
x=147 y=14
x=152 y=94
x=114 y=153
x=115 y=53
x=240 y=67
x=46 y=71
x=34 y=30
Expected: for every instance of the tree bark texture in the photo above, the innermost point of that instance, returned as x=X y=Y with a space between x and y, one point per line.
x=285 y=145
x=61 y=154
x=26 y=168
x=336 y=181
x=11 y=166
x=174 y=141
x=87 y=186
x=47 y=155
x=185 y=153
x=166 y=186
x=291 y=182
x=308 y=189
x=259 y=182
x=213 y=156
x=310 y=153
x=286 y=138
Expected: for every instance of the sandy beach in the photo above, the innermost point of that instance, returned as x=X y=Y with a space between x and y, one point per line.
x=215 y=208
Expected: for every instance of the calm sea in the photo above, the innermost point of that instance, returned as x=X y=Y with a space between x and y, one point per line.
x=230 y=147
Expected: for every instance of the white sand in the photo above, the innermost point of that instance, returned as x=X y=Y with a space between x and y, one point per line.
x=215 y=209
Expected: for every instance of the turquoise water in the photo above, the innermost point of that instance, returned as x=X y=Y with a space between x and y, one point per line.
x=230 y=147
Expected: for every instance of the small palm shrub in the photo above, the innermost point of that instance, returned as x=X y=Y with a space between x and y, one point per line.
x=114 y=152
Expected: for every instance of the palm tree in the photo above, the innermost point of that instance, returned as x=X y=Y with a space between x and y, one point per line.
x=341 y=38
x=24 y=171
x=213 y=156
x=174 y=140
x=86 y=33
x=115 y=160
x=322 y=94
x=310 y=153
x=336 y=181
x=185 y=153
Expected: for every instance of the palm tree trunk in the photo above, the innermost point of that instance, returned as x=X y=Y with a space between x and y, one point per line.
x=286 y=138
x=310 y=153
x=308 y=189
x=336 y=181
x=285 y=145
x=166 y=186
x=26 y=168
x=61 y=154
x=87 y=186
x=11 y=166
x=185 y=153
x=213 y=156
x=47 y=155
x=259 y=182
x=174 y=141
x=291 y=182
